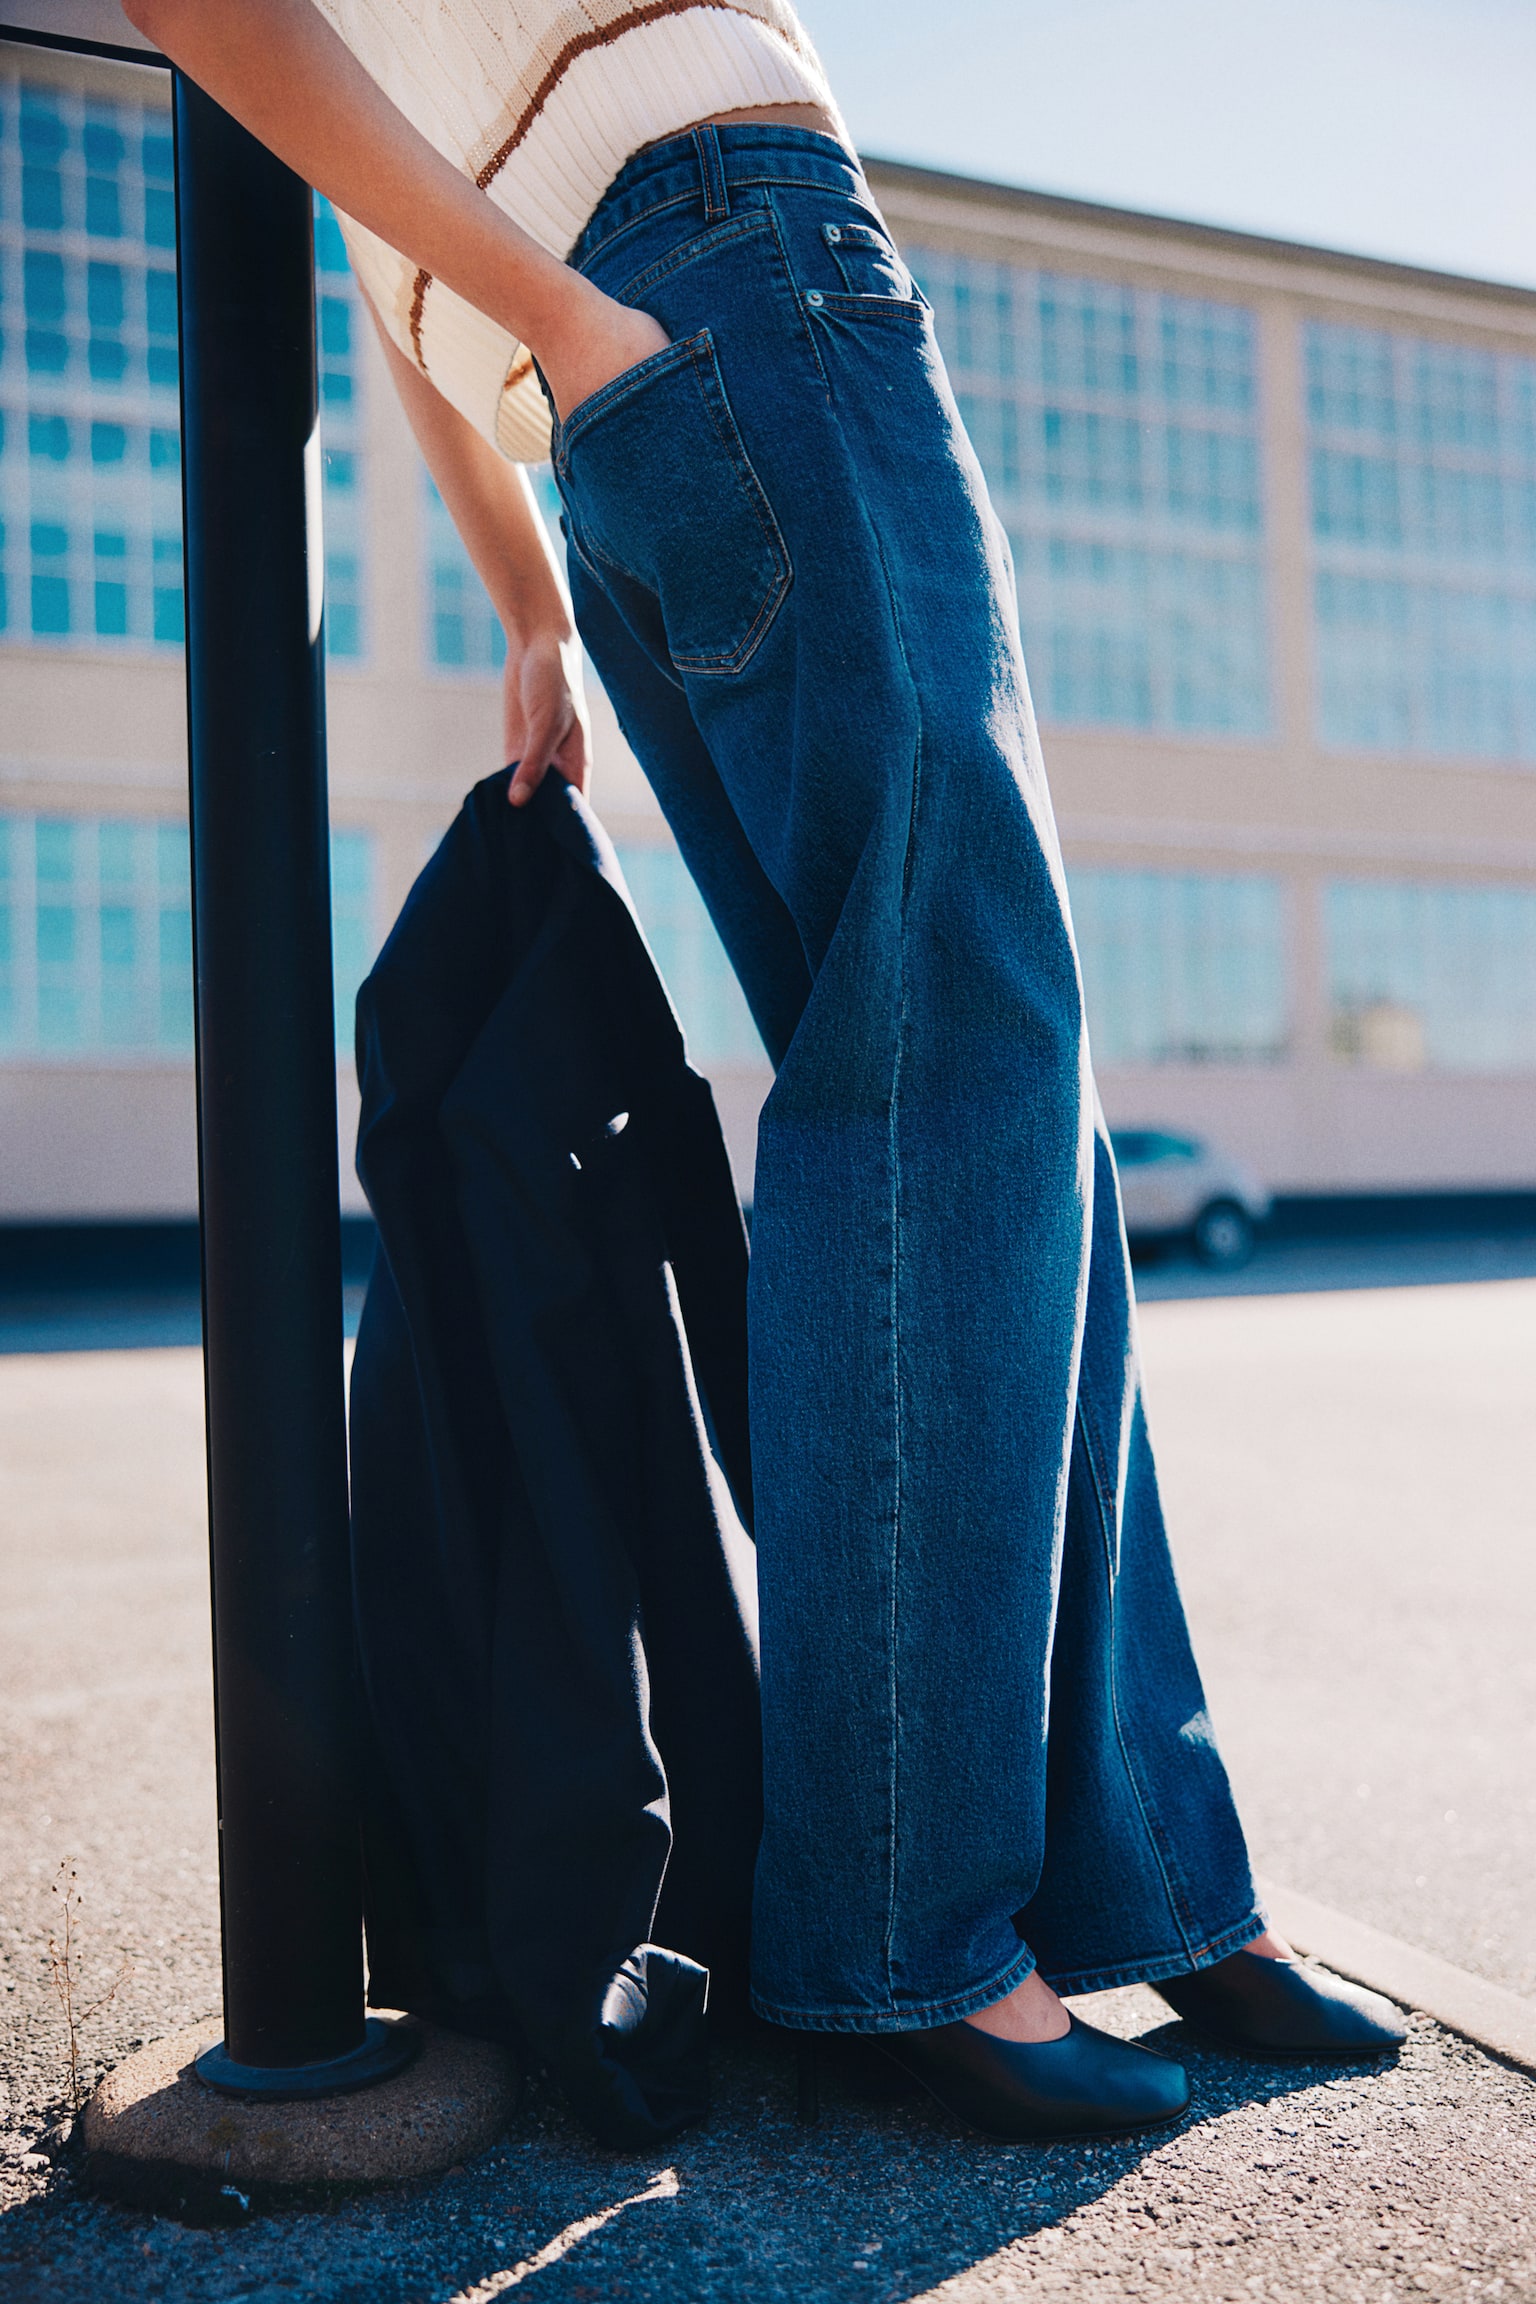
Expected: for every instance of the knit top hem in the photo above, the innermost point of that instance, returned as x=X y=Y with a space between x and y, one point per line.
x=543 y=115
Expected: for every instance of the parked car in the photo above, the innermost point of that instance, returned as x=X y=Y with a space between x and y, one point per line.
x=1177 y=1187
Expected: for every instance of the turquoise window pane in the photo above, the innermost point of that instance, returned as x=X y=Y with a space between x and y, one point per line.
x=55 y=934
x=122 y=1024
x=164 y=451
x=343 y=630
x=104 y=295
x=111 y=610
x=47 y=352
x=1182 y=968
x=172 y=858
x=103 y=210
x=159 y=217
x=352 y=931
x=118 y=945
x=57 y=839
x=1426 y=977
x=43 y=284
x=40 y=124
x=160 y=302
x=170 y=617
x=48 y=438
x=103 y=143
x=42 y=199
x=58 y=1017
x=5 y=936
x=109 y=443
x=107 y=360
x=335 y=318
x=175 y=939
x=50 y=606
x=117 y=850
x=330 y=248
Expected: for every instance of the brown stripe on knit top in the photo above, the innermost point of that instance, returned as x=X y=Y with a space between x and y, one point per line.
x=596 y=36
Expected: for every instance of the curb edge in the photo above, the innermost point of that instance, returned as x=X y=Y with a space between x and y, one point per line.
x=1487 y=2014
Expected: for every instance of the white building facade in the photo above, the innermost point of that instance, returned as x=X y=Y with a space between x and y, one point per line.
x=1273 y=515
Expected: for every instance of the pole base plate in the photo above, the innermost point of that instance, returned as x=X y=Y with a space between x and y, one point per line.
x=385 y=2049
x=155 y=2137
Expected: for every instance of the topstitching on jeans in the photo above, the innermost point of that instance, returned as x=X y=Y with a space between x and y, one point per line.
x=626 y=205
x=1178 y=1901
x=706 y=243
x=698 y=352
x=897 y=1404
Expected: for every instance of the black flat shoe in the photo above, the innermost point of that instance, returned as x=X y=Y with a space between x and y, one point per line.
x=1283 y=2008
x=1087 y=2083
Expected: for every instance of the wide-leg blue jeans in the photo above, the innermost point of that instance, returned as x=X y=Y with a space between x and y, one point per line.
x=986 y=1744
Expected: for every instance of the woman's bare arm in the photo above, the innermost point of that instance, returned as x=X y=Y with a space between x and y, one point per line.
x=491 y=503
x=283 y=72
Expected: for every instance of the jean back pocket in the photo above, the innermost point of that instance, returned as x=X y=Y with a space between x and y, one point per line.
x=658 y=488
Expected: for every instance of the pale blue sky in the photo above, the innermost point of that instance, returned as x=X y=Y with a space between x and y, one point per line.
x=1402 y=128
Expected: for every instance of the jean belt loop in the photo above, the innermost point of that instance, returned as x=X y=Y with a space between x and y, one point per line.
x=717 y=198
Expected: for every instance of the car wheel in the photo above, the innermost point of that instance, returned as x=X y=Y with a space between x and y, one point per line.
x=1224 y=1235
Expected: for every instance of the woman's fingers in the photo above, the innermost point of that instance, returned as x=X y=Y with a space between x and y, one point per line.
x=544 y=724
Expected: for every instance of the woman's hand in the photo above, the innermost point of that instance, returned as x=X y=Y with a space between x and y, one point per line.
x=544 y=716
x=597 y=340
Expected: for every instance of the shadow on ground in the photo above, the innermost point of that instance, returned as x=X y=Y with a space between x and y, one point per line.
x=881 y=2200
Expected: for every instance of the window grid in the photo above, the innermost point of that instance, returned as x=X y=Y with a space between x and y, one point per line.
x=96 y=935
x=1182 y=967
x=339 y=321
x=463 y=632
x=90 y=481
x=1426 y=977
x=1118 y=431
x=1423 y=509
x=90 y=452
x=716 y=1020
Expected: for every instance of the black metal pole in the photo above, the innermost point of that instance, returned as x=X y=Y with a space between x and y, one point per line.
x=266 y=1087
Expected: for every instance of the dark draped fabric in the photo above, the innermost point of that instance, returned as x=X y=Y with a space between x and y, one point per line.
x=554 y=1587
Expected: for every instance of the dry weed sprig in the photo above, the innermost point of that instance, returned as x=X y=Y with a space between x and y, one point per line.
x=66 y=1970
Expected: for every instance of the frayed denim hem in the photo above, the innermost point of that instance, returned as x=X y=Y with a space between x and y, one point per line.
x=925 y=2016
x=1160 y=1964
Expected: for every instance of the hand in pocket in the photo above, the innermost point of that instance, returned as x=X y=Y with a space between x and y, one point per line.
x=597 y=341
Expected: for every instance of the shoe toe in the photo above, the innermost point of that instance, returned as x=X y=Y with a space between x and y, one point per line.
x=1118 y=2083
x=1348 y=2015
x=1270 y=2007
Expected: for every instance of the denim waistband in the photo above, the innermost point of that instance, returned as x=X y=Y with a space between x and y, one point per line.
x=707 y=165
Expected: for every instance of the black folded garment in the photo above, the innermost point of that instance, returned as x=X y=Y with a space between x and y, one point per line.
x=550 y=1480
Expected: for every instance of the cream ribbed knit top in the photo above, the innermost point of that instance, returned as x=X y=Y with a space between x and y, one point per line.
x=542 y=102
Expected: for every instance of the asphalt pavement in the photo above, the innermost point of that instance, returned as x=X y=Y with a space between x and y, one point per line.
x=1348 y=1477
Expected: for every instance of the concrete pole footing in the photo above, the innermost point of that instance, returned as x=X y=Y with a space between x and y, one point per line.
x=153 y=2135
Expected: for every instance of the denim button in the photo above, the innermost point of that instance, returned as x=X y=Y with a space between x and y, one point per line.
x=834 y=232
x=813 y=296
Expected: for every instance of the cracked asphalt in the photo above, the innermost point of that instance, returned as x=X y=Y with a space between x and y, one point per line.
x=1348 y=1477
